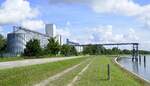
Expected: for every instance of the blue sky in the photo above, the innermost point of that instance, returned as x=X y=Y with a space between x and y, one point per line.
x=84 y=21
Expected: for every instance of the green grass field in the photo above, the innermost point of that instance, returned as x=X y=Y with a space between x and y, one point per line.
x=95 y=75
x=10 y=59
x=27 y=76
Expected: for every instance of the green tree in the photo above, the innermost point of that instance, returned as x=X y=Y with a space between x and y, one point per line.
x=108 y=52
x=115 y=50
x=87 y=50
x=94 y=50
x=65 y=49
x=53 y=47
x=33 y=48
x=73 y=51
x=125 y=51
x=68 y=50
x=2 y=43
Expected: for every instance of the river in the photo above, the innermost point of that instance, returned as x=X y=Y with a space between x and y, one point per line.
x=140 y=68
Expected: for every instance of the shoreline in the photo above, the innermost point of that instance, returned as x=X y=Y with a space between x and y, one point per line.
x=136 y=76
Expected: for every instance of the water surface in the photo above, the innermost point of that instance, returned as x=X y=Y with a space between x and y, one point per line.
x=140 y=68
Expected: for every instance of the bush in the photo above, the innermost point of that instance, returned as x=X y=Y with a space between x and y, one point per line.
x=68 y=50
x=93 y=50
x=73 y=51
x=33 y=48
x=53 y=46
x=65 y=50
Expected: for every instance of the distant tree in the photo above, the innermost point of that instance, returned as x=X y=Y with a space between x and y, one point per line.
x=68 y=50
x=2 y=44
x=99 y=50
x=87 y=50
x=65 y=49
x=94 y=50
x=33 y=48
x=108 y=52
x=73 y=51
x=53 y=47
x=115 y=50
x=144 y=52
x=125 y=51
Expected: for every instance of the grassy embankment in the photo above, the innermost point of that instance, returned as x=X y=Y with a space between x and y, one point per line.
x=34 y=74
x=96 y=75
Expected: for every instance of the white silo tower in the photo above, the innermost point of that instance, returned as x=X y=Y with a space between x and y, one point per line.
x=50 y=30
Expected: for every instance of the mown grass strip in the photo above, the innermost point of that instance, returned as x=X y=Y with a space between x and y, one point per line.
x=96 y=75
x=68 y=77
x=27 y=76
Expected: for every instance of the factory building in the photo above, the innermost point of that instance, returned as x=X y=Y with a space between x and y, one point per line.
x=16 y=41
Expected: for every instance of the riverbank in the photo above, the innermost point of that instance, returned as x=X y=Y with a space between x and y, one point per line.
x=137 y=77
x=96 y=74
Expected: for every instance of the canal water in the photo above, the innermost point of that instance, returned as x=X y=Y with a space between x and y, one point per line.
x=141 y=68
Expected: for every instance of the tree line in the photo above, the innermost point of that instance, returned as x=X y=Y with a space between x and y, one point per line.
x=53 y=48
x=100 y=50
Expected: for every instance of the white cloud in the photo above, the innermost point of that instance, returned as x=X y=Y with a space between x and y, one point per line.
x=105 y=34
x=144 y=45
x=119 y=7
x=14 y=11
x=33 y=24
x=125 y=7
x=131 y=36
x=63 y=32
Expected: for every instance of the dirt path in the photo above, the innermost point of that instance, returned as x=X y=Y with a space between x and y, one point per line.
x=52 y=78
x=12 y=64
x=78 y=75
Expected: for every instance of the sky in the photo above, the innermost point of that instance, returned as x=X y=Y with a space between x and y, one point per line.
x=82 y=21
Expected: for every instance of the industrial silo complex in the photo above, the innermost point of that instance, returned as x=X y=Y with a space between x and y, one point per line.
x=16 y=41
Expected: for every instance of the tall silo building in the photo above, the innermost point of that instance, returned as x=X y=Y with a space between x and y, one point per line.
x=50 y=30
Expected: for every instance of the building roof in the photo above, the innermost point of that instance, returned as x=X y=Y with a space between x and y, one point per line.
x=21 y=28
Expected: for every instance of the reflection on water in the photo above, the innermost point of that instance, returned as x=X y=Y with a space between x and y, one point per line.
x=142 y=67
x=135 y=67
